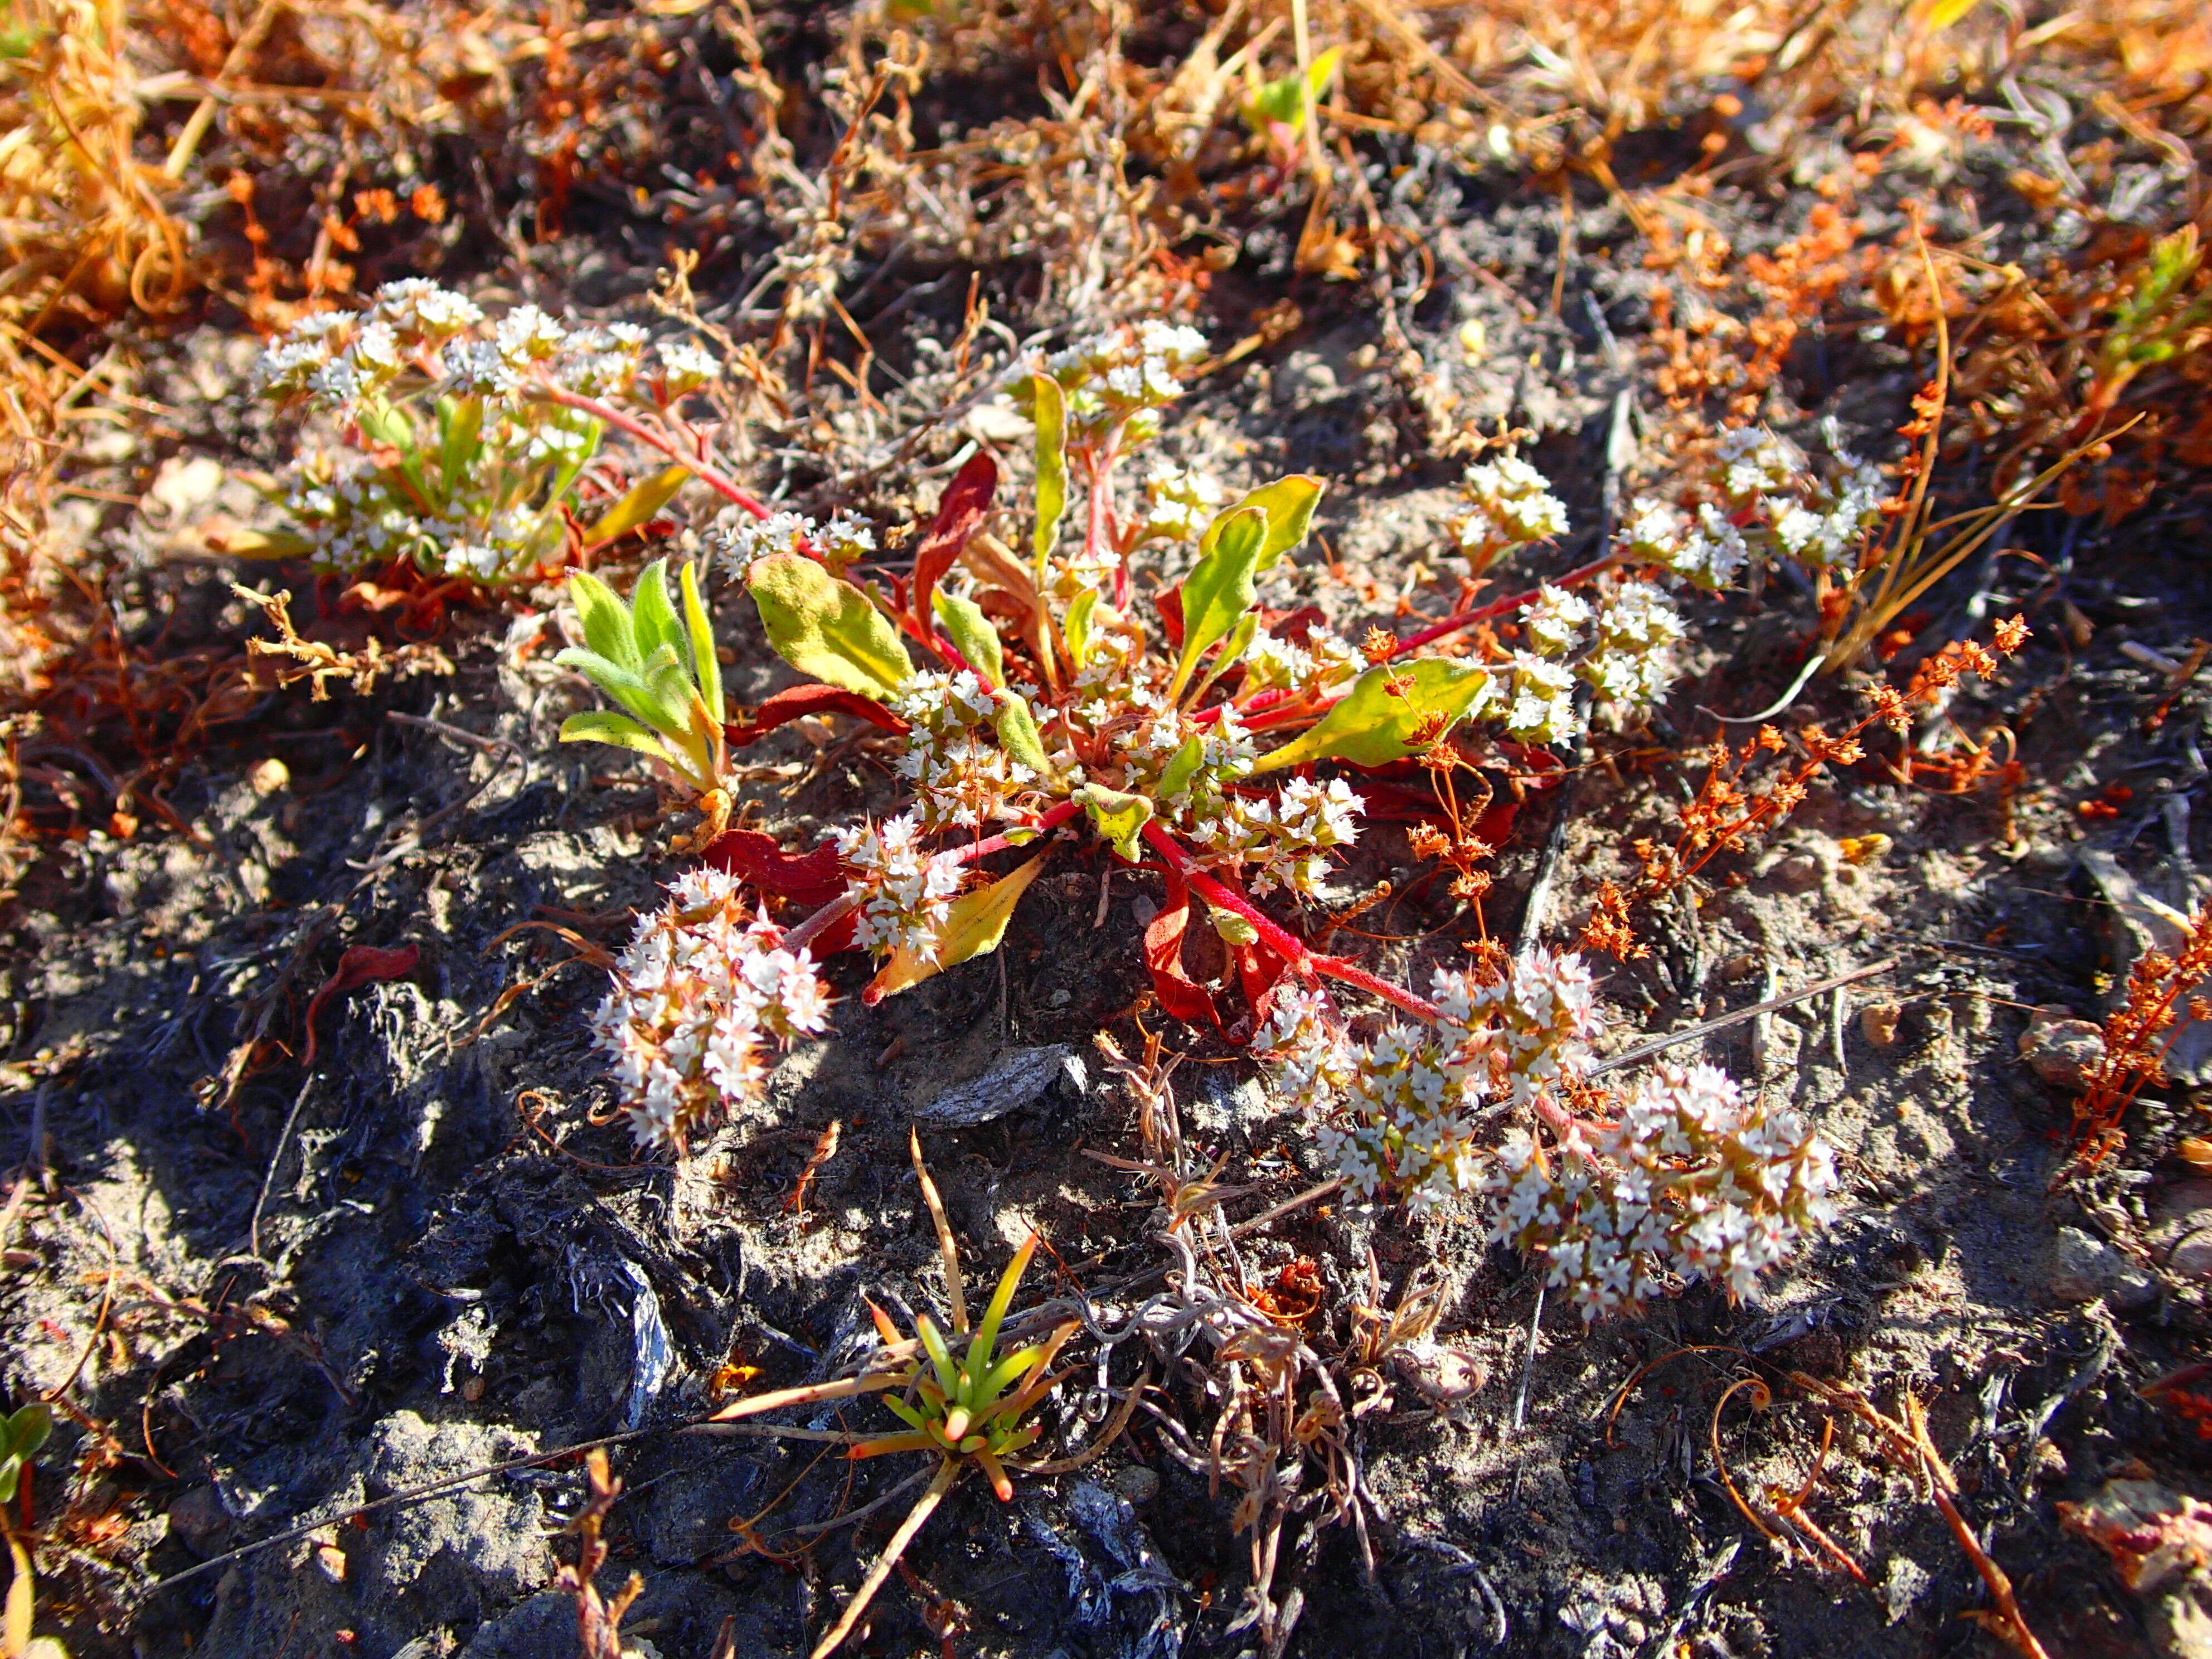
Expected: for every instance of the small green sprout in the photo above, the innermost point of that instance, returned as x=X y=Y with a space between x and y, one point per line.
x=966 y=1408
x=662 y=670
x=21 y=1433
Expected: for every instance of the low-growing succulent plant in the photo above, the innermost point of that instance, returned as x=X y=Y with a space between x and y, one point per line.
x=461 y=440
x=661 y=667
x=1201 y=735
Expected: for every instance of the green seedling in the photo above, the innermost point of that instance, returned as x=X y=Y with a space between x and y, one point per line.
x=964 y=1406
x=662 y=671
x=21 y=1434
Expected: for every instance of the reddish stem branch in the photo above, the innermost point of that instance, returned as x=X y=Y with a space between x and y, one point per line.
x=1284 y=944
x=660 y=441
x=1460 y=619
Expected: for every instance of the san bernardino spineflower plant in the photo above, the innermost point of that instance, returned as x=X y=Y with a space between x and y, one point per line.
x=1028 y=692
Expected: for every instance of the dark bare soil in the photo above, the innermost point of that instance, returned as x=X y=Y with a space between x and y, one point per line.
x=457 y=1265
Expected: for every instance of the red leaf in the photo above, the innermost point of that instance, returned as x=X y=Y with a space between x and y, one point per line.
x=960 y=513
x=796 y=701
x=1296 y=626
x=1392 y=802
x=1169 y=603
x=812 y=878
x=1178 y=993
x=355 y=969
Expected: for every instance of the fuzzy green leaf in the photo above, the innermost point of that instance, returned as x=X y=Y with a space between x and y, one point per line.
x=970 y=630
x=1219 y=590
x=607 y=627
x=1017 y=734
x=706 y=665
x=460 y=429
x=626 y=686
x=1119 y=817
x=826 y=628
x=652 y=614
x=1288 y=504
x=1381 y=719
x=604 y=725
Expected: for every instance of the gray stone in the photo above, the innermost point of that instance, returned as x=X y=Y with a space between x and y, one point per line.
x=2088 y=1268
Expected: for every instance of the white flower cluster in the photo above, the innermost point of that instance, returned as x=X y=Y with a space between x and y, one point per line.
x=700 y=995
x=1179 y=502
x=736 y=540
x=1771 y=503
x=1307 y=667
x=415 y=334
x=489 y=527
x=1631 y=663
x=905 y=893
x=962 y=778
x=1532 y=1025
x=1285 y=841
x=1412 y=1123
x=1690 y=1177
x=1414 y=1097
x=1509 y=505
x=1121 y=378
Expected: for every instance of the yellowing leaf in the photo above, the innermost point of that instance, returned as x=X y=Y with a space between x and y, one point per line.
x=1051 y=466
x=1392 y=712
x=639 y=508
x=973 y=927
x=826 y=628
x=1944 y=13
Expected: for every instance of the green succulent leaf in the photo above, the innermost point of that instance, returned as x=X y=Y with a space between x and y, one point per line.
x=970 y=630
x=706 y=665
x=1288 y=504
x=604 y=725
x=607 y=627
x=826 y=628
x=1231 y=653
x=1119 y=817
x=974 y=926
x=1075 y=627
x=1219 y=590
x=1017 y=734
x=1183 y=769
x=1378 y=720
x=460 y=430
x=1051 y=466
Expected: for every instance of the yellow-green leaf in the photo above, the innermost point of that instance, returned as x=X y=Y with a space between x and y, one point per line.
x=970 y=630
x=1391 y=714
x=973 y=927
x=1051 y=467
x=826 y=628
x=1119 y=817
x=1183 y=767
x=1220 y=589
x=1017 y=734
x=640 y=507
x=1288 y=504
x=259 y=544
x=1945 y=13
x=1076 y=628
x=604 y=725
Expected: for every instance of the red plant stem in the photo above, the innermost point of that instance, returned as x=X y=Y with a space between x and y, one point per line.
x=844 y=905
x=1276 y=939
x=1460 y=619
x=1098 y=527
x=660 y=441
